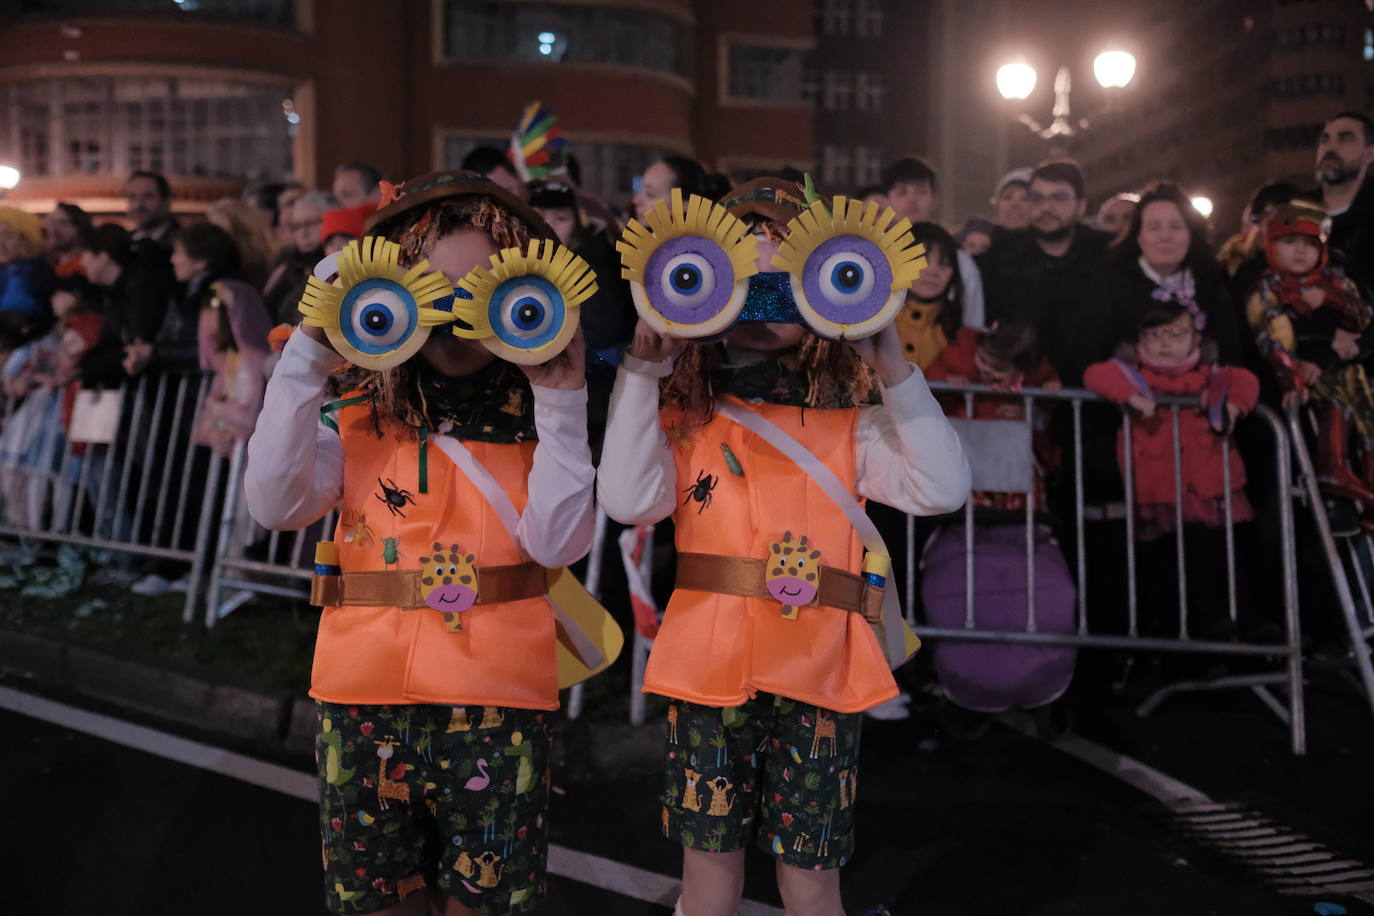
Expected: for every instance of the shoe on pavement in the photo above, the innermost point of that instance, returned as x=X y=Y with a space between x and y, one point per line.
x=892 y=710
x=151 y=585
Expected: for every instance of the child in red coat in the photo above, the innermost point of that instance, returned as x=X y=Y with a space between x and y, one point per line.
x=1170 y=357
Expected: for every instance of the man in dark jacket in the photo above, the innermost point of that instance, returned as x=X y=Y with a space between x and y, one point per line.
x=1345 y=151
x=149 y=198
x=135 y=282
x=1038 y=273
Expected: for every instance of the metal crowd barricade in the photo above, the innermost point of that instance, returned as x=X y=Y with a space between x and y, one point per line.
x=140 y=495
x=287 y=567
x=1287 y=675
x=134 y=494
x=1355 y=562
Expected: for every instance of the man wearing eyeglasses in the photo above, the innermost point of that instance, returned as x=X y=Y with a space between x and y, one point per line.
x=1038 y=273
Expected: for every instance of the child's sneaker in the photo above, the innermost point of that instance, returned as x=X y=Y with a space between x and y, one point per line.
x=151 y=584
x=892 y=710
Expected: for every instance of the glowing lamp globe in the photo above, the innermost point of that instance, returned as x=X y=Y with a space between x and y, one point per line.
x=1203 y=205
x=9 y=177
x=1015 y=81
x=1114 y=69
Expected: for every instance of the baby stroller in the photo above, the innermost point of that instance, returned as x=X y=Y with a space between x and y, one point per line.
x=986 y=677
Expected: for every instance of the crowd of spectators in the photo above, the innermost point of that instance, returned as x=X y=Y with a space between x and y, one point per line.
x=92 y=307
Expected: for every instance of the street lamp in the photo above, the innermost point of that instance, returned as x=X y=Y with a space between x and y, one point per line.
x=1113 y=69
x=9 y=177
x=1016 y=81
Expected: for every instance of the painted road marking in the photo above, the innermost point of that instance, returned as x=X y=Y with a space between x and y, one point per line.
x=1245 y=835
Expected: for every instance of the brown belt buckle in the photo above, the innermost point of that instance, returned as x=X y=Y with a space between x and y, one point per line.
x=792 y=574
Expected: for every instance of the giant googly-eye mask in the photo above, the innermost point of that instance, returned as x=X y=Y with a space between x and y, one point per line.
x=377 y=314
x=850 y=266
x=843 y=273
x=689 y=267
x=526 y=307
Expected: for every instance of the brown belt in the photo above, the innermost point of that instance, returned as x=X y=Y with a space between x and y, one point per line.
x=744 y=577
x=401 y=588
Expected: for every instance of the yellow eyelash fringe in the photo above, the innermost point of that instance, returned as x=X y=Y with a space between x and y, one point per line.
x=369 y=258
x=817 y=224
x=571 y=276
x=670 y=219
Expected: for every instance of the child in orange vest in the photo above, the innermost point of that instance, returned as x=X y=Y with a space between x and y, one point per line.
x=766 y=652
x=462 y=481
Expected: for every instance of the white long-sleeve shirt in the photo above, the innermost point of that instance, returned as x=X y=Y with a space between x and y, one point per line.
x=909 y=456
x=296 y=468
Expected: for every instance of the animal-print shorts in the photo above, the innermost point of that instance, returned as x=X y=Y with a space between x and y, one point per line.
x=423 y=797
x=773 y=770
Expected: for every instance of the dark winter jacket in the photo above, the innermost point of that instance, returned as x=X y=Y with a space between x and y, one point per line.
x=1021 y=281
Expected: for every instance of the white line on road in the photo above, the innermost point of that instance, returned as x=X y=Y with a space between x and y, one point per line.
x=586 y=868
x=1178 y=797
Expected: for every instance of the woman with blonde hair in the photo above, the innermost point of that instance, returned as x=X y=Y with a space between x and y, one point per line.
x=254 y=238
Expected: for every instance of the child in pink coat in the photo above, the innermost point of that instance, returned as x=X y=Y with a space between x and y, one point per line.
x=1171 y=357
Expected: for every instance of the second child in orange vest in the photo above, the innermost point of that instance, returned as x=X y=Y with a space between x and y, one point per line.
x=767 y=677
x=436 y=672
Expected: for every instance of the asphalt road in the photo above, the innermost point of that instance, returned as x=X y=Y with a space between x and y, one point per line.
x=1004 y=824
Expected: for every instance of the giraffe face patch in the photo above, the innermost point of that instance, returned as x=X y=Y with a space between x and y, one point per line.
x=794 y=569
x=449 y=579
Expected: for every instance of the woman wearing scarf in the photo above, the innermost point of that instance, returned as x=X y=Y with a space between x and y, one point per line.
x=1164 y=257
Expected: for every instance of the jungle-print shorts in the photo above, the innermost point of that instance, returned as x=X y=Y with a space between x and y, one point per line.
x=447 y=797
x=772 y=769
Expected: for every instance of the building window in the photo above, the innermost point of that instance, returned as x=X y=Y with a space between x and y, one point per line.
x=608 y=169
x=868 y=91
x=1285 y=138
x=836 y=17
x=1331 y=85
x=868 y=166
x=1308 y=36
x=563 y=33
x=868 y=22
x=186 y=127
x=264 y=12
x=835 y=165
x=764 y=72
x=837 y=90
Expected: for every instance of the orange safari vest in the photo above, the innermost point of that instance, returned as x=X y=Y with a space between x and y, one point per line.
x=504 y=655
x=719 y=649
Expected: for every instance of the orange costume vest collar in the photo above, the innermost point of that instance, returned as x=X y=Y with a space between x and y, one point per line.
x=504 y=654
x=738 y=497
